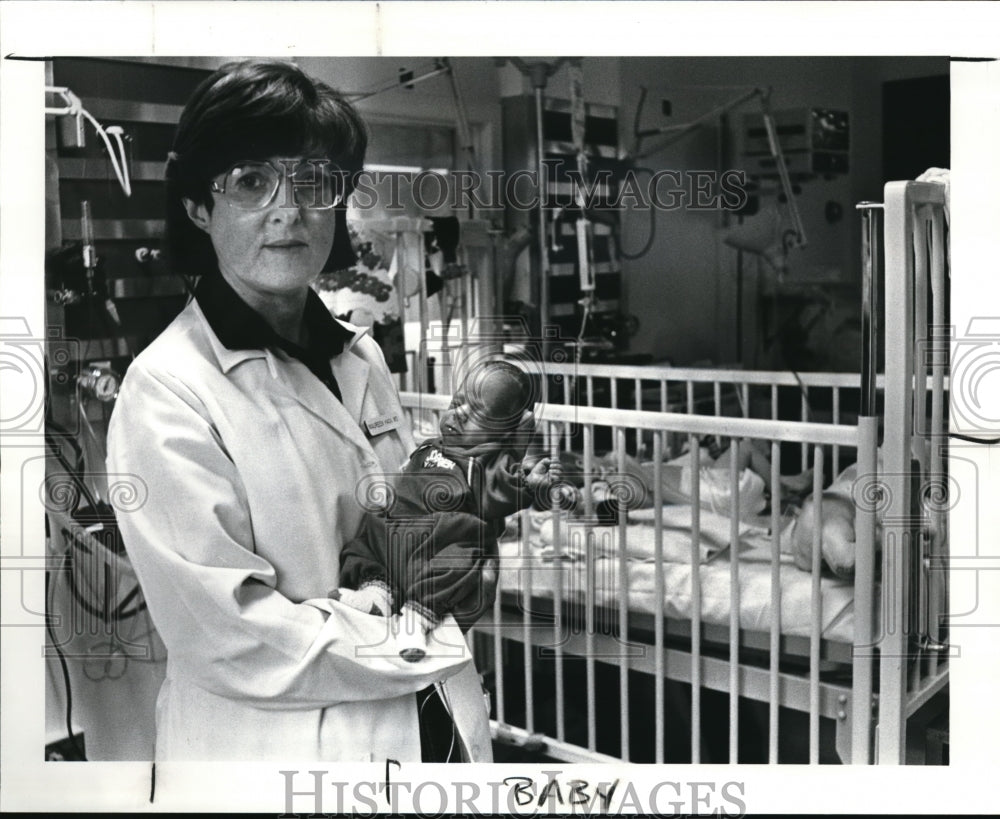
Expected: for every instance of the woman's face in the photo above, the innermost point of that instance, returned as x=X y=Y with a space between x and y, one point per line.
x=279 y=248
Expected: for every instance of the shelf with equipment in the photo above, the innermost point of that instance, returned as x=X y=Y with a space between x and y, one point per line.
x=107 y=282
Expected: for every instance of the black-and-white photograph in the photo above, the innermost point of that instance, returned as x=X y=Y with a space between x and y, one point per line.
x=576 y=418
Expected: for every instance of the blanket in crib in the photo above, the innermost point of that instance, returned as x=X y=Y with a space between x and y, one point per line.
x=530 y=560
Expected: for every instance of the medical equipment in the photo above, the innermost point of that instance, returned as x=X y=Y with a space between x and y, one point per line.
x=74 y=108
x=757 y=239
x=100 y=382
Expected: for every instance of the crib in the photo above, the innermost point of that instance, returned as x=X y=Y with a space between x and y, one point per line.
x=706 y=602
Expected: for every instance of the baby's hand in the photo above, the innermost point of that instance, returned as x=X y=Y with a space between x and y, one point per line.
x=543 y=474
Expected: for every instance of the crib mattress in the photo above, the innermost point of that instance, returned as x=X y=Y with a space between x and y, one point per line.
x=530 y=561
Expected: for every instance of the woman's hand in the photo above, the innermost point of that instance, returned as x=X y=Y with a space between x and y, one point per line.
x=370 y=599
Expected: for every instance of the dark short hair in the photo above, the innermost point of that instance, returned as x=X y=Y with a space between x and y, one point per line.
x=256 y=109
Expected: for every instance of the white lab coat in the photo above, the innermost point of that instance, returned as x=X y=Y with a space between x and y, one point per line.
x=246 y=469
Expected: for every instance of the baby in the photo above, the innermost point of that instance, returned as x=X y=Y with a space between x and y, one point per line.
x=429 y=548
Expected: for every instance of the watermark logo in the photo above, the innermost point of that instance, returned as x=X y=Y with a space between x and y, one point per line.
x=316 y=183
x=25 y=362
x=562 y=187
x=310 y=793
x=975 y=377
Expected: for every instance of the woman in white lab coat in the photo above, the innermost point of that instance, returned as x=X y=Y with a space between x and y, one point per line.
x=250 y=429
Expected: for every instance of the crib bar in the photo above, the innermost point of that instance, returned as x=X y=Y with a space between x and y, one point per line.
x=734 y=600
x=695 y=600
x=529 y=654
x=723 y=427
x=774 y=402
x=864 y=593
x=939 y=364
x=548 y=440
x=567 y=752
x=918 y=444
x=446 y=366
x=836 y=420
x=690 y=397
x=567 y=402
x=590 y=391
x=782 y=378
x=772 y=749
x=869 y=304
x=498 y=653
x=717 y=397
x=660 y=671
x=920 y=339
x=897 y=531
x=588 y=470
x=623 y=593
x=614 y=392
x=745 y=399
x=401 y=306
x=715 y=672
x=557 y=597
x=805 y=417
x=817 y=606
x=663 y=408
x=591 y=682
x=422 y=375
x=638 y=393
x=588 y=503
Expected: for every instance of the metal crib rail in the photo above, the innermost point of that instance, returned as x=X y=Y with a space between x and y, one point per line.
x=910 y=670
x=704 y=670
x=907 y=652
x=725 y=426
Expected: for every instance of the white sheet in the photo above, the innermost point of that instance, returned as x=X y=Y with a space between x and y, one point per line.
x=755 y=604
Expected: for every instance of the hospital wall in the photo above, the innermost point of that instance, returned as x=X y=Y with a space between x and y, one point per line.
x=684 y=289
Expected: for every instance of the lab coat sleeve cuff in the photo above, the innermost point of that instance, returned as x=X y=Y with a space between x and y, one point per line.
x=446 y=645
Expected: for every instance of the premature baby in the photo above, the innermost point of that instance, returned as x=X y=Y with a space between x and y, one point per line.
x=430 y=548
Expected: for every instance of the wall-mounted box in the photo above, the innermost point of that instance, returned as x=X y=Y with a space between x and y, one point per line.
x=813 y=140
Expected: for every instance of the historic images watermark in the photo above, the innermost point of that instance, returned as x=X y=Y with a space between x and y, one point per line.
x=318 y=793
x=498 y=190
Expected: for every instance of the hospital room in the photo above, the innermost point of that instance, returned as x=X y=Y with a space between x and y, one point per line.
x=497 y=409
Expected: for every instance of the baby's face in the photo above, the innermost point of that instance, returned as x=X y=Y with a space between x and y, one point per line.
x=480 y=411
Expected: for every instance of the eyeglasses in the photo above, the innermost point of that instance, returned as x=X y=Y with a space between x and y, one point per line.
x=252 y=185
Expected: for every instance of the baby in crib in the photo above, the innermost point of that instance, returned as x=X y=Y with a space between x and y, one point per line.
x=448 y=508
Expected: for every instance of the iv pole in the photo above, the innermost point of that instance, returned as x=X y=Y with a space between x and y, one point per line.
x=539 y=74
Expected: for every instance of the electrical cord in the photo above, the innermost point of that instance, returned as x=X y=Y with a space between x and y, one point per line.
x=805 y=394
x=121 y=171
x=120 y=612
x=73 y=474
x=65 y=672
x=105 y=613
x=652 y=230
x=53 y=429
x=972 y=439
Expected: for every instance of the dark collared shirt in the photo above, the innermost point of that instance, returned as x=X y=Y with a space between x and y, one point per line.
x=239 y=327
